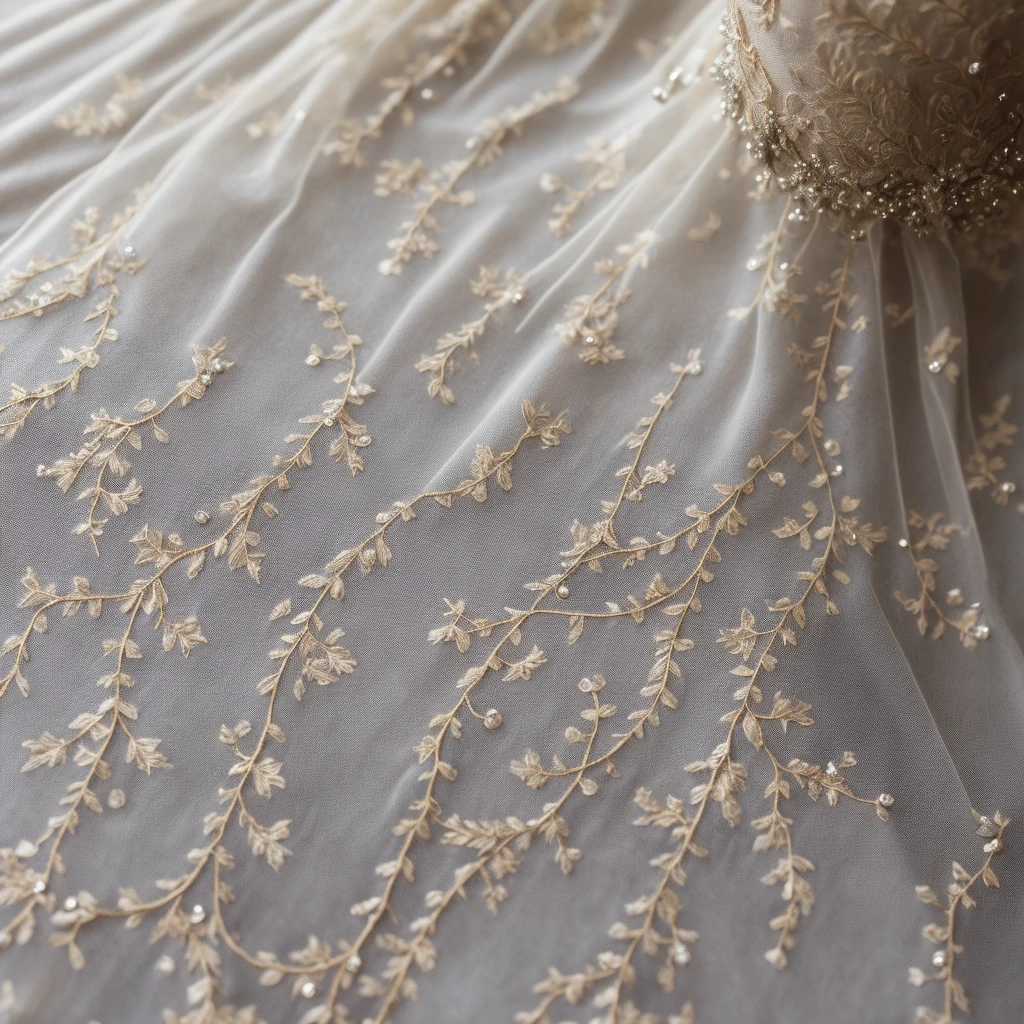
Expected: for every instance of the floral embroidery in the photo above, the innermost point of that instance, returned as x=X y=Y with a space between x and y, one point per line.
x=95 y=263
x=942 y=934
x=707 y=231
x=937 y=355
x=85 y=120
x=935 y=535
x=983 y=467
x=593 y=319
x=499 y=290
x=104 y=451
x=576 y=21
x=605 y=167
x=440 y=187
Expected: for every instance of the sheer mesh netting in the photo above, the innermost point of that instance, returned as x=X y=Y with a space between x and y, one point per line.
x=473 y=548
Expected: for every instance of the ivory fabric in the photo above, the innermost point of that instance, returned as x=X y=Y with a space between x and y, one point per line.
x=535 y=567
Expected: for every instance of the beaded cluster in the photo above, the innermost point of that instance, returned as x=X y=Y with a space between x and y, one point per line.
x=960 y=197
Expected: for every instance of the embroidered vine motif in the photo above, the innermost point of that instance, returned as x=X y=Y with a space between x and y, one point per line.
x=499 y=290
x=206 y=96
x=592 y=320
x=605 y=166
x=943 y=934
x=706 y=232
x=441 y=187
x=95 y=263
x=104 y=452
x=983 y=467
x=576 y=22
x=85 y=120
x=266 y=127
x=321 y=660
x=935 y=535
x=467 y=24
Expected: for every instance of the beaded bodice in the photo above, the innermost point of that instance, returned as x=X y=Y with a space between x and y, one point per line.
x=865 y=109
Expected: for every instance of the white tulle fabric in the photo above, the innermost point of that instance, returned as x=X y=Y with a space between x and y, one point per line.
x=233 y=210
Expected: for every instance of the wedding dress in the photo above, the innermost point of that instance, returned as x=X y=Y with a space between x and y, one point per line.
x=512 y=511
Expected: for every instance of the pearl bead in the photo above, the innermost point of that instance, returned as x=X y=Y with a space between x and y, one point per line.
x=752 y=263
x=659 y=93
x=202 y=516
x=831 y=447
x=935 y=366
x=681 y=954
x=993 y=847
x=590 y=340
x=518 y=297
x=980 y=632
x=1007 y=487
x=427 y=93
x=493 y=719
x=198 y=914
x=39 y=886
x=328 y=421
x=219 y=366
x=695 y=369
x=71 y=903
x=903 y=542
x=939 y=958
x=676 y=74
x=165 y=965
x=886 y=799
x=308 y=989
x=205 y=378
x=116 y=799
x=562 y=591
x=364 y=438
x=312 y=359
x=354 y=962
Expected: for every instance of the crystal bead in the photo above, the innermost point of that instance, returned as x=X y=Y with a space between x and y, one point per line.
x=562 y=591
x=590 y=340
x=886 y=799
x=935 y=366
x=831 y=447
x=354 y=962
x=129 y=251
x=71 y=903
x=328 y=421
x=681 y=954
x=980 y=631
x=427 y=93
x=518 y=297
x=202 y=516
x=752 y=263
x=205 y=378
x=115 y=799
x=39 y=886
x=312 y=359
x=939 y=958
x=975 y=68
x=993 y=847
x=695 y=368
x=308 y=989
x=198 y=914
x=493 y=719
x=837 y=471
x=364 y=438
x=219 y=366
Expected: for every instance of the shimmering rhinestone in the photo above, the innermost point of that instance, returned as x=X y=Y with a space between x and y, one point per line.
x=518 y=297
x=935 y=366
x=980 y=631
x=975 y=68
x=590 y=340
x=71 y=903
x=354 y=962
x=198 y=914
x=493 y=719
x=886 y=799
x=681 y=954
x=39 y=886
x=129 y=251
x=116 y=799
x=562 y=591
x=202 y=516
x=308 y=989
x=1007 y=487
x=837 y=471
